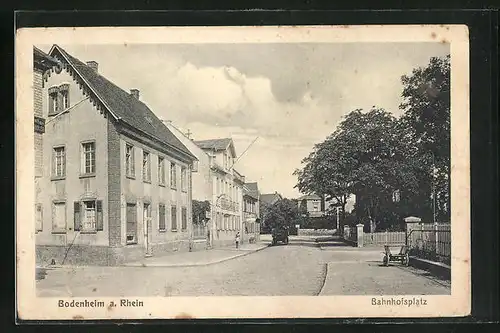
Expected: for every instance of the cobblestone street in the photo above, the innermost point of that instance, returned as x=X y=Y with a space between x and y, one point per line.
x=299 y=268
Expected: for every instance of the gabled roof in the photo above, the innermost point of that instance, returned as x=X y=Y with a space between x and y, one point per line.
x=310 y=197
x=42 y=60
x=271 y=198
x=252 y=190
x=123 y=106
x=217 y=144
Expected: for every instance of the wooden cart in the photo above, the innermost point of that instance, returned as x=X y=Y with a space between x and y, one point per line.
x=403 y=256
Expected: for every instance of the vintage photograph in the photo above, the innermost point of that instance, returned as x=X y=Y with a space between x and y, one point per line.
x=260 y=168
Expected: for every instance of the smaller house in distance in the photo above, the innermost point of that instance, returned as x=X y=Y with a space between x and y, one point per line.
x=313 y=204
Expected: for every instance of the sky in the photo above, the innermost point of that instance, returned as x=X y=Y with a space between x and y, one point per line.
x=288 y=96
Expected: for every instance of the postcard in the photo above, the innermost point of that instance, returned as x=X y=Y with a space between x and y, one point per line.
x=242 y=172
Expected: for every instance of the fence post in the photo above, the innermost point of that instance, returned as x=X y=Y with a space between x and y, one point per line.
x=360 y=234
x=411 y=222
x=346 y=232
x=386 y=237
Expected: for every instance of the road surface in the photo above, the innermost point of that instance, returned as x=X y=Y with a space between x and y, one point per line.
x=299 y=268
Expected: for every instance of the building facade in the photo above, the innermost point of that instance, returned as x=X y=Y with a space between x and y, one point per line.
x=116 y=183
x=216 y=180
x=313 y=204
x=226 y=215
x=251 y=212
x=42 y=64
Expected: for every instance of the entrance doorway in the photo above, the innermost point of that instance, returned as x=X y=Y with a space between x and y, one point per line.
x=147 y=229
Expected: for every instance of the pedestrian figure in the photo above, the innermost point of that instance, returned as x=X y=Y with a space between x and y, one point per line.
x=237 y=239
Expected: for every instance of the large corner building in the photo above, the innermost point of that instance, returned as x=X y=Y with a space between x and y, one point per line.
x=113 y=184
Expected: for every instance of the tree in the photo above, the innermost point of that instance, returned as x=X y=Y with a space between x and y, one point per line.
x=361 y=157
x=200 y=208
x=283 y=213
x=426 y=119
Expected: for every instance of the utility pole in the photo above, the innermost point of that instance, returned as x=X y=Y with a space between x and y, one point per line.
x=243 y=152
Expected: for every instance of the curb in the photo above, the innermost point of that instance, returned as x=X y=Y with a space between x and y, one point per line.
x=436 y=269
x=324 y=281
x=247 y=252
x=201 y=264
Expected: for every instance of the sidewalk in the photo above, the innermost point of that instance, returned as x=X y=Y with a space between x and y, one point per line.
x=197 y=258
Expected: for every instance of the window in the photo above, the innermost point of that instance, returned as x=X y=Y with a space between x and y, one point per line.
x=39 y=217
x=184 y=178
x=161 y=217
x=88 y=216
x=174 y=218
x=146 y=167
x=64 y=100
x=53 y=101
x=88 y=158
x=59 y=217
x=161 y=171
x=129 y=161
x=184 y=218
x=59 y=162
x=173 y=176
x=131 y=224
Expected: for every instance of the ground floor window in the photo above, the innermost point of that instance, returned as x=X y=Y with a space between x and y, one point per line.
x=131 y=231
x=184 y=218
x=88 y=216
x=174 y=218
x=161 y=217
x=59 y=217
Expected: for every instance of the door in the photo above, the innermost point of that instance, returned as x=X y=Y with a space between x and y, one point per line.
x=147 y=228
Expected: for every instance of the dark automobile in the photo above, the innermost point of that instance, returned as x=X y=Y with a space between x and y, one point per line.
x=280 y=235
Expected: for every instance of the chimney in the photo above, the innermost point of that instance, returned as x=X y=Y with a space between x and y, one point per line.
x=93 y=64
x=135 y=93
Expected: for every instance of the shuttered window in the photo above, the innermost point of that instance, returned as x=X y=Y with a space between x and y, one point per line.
x=88 y=216
x=174 y=218
x=129 y=161
x=161 y=217
x=131 y=224
x=59 y=217
x=184 y=218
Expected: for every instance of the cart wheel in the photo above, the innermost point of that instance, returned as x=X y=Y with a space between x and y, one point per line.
x=405 y=260
x=386 y=260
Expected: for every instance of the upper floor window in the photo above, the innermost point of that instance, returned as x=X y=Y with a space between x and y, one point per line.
x=53 y=101
x=184 y=178
x=58 y=99
x=59 y=162
x=146 y=167
x=161 y=170
x=64 y=93
x=129 y=161
x=88 y=157
x=173 y=175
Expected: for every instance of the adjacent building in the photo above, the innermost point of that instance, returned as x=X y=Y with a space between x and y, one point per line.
x=217 y=181
x=115 y=183
x=312 y=204
x=227 y=191
x=251 y=211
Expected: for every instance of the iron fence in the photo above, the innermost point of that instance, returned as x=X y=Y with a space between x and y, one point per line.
x=431 y=243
